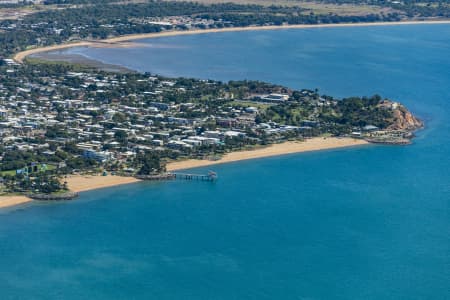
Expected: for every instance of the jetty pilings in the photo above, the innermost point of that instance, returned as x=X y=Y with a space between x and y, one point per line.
x=53 y=197
x=211 y=176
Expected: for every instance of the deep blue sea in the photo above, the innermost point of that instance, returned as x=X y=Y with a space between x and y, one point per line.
x=371 y=222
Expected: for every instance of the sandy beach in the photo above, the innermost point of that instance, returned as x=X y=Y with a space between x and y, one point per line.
x=123 y=41
x=78 y=183
x=313 y=144
x=82 y=183
x=8 y=201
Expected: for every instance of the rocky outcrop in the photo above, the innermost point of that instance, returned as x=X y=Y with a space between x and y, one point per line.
x=402 y=124
x=404 y=120
x=53 y=197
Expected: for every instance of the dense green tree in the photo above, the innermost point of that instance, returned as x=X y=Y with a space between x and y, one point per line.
x=150 y=163
x=121 y=137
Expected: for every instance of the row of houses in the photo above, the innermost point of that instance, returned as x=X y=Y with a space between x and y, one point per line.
x=43 y=112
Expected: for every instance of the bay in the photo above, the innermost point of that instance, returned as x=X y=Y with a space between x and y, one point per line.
x=370 y=222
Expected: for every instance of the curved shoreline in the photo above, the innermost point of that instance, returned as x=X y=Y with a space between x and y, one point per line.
x=84 y=183
x=309 y=145
x=116 y=41
x=10 y=201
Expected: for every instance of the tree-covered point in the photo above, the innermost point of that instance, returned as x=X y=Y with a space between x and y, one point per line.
x=40 y=184
x=337 y=117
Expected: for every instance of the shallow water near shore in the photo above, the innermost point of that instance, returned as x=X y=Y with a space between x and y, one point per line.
x=368 y=222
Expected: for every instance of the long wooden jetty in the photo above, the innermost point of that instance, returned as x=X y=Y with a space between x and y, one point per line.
x=156 y=177
x=211 y=176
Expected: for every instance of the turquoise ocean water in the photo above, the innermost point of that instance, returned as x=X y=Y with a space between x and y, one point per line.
x=371 y=222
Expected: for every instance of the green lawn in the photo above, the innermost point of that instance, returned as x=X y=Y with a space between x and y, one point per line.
x=10 y=172
x=13 y=172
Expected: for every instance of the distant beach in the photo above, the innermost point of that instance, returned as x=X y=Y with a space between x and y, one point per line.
x=58 y=56
x=123 y=41
x=83 y=183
